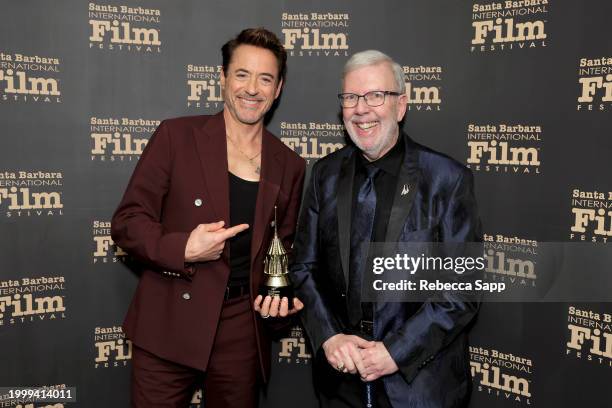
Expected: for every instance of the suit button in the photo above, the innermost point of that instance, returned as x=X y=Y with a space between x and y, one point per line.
x=198 y=202
x=343 y=295
x=186 y=296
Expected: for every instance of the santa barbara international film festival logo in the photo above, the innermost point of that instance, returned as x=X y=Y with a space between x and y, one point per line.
x=204 y=87
x=31 y=193
x=122 y=28
x=501 y=375
x=26 y=300
x=592 y=215
x=312 y=140
x=105 y=251
x=510 y=259
x=119 y=139
x=504 y=148
x=315 y=34
x=29 y=78
x=589 y=335
x=293 y=349
x=595 y=84
x=423 y=87
x=508 y=25
x=111 y=348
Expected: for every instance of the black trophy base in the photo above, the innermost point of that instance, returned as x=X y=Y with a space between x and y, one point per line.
x=283 y=291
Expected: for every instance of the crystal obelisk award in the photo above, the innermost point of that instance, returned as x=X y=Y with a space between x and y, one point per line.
x=276 y=274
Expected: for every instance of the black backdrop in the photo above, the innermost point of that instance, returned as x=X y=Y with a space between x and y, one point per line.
x=525 y=101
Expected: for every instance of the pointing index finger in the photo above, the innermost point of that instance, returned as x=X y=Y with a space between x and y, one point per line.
x=233 y=231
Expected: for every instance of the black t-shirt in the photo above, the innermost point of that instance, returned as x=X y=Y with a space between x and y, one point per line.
x=243 y=196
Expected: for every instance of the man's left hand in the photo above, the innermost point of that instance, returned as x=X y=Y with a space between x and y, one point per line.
x=276 y=307
x=377 y=362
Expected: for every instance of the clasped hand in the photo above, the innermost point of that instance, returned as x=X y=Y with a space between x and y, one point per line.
x=353 y=354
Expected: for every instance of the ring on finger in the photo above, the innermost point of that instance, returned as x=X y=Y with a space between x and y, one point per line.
x=340 y=366
x=265 y=316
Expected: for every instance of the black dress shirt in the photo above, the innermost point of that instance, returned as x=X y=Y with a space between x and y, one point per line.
x=384 y=184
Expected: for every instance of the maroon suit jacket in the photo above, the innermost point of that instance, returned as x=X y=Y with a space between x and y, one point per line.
x=176 y=307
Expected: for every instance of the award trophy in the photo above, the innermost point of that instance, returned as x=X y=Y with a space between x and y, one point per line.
x=276 y=275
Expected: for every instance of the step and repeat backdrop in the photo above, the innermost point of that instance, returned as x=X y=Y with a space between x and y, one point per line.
x=519 y=91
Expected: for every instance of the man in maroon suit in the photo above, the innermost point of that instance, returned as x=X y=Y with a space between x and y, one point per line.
x=192 y=320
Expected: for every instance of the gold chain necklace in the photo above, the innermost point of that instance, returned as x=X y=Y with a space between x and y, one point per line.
x=250 y=159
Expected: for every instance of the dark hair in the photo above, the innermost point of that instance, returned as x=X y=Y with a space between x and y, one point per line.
x=258 y=37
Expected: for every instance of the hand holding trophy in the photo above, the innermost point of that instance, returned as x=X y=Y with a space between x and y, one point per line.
x=276 y=292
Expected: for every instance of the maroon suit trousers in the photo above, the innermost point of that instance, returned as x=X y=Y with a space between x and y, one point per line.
x=230 y=381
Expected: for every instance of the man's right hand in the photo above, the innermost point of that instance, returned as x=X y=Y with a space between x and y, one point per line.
x=342 y=352
x=206 y=241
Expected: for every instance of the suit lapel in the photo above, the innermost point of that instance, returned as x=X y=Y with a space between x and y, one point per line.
x=344 y=206
x=212 y=151
x=405 y=190
x=272 y=169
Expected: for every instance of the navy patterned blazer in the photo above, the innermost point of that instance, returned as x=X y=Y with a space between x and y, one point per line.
x=428 y=341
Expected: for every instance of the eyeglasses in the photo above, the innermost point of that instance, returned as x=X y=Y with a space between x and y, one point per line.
x=372 y=98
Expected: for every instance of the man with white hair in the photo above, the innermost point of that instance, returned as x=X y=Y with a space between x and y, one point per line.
x=384 y=188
